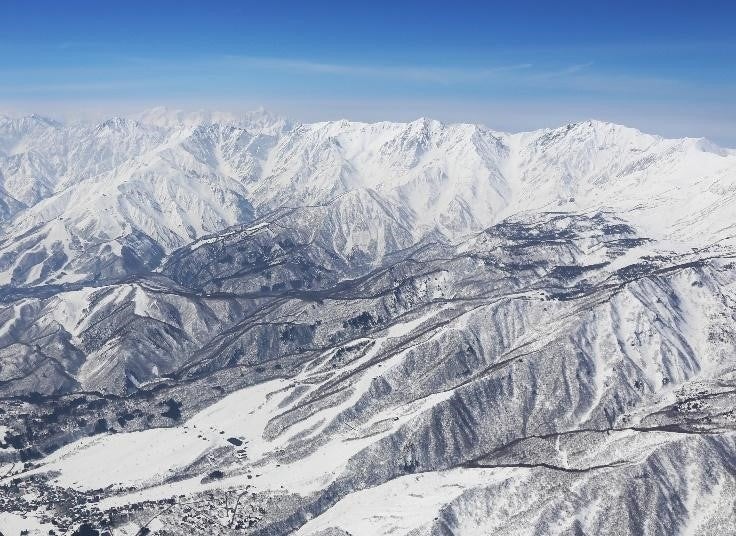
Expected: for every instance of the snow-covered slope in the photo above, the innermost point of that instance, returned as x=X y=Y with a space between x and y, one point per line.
x=233 y=324
x=122 y=181
x=683 y=190
x=447 y=176
x=172 y=177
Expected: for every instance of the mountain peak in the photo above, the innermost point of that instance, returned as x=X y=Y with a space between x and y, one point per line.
x=116 y=123
x=29 y=121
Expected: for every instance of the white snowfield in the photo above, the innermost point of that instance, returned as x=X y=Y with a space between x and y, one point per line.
x=145 y=459
x=17 y=525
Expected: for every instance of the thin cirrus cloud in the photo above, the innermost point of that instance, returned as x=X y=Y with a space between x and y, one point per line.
x=408 y=72
x=579 y=76
x=196 y=74
x=74 y=87
x=136 y=72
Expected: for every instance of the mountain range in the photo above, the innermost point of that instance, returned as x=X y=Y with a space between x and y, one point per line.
x=214 y=323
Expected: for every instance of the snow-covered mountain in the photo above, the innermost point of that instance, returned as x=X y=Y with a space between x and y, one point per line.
x=236 y=324
x=172 y=177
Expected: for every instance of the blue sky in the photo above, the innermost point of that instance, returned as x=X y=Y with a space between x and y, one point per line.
x=664 y=67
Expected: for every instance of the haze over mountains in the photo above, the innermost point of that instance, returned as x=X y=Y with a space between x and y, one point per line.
x=258 y=326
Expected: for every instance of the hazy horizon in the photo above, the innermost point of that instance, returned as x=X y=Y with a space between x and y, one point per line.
x=665 y=68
